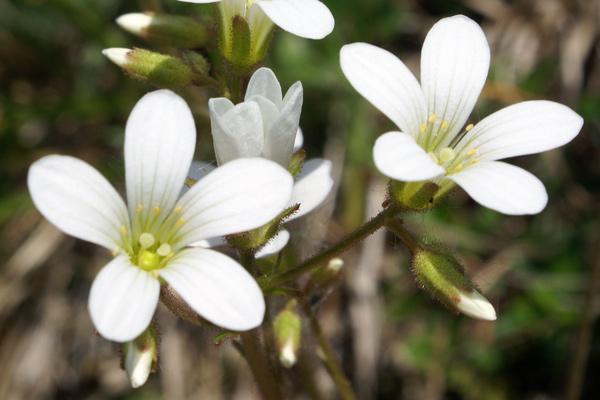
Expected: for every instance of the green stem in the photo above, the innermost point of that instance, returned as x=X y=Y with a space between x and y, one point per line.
x=259 y=365
x=329 y=358
x=370 y=227
x=395 y=225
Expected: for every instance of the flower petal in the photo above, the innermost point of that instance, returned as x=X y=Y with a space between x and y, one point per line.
x=122 y=300
x=238 y=133
x=275 y=245
x=299 y=140
x=454 y=66
x=198 y=170
x=217 y=288
x=312 y=186
x=309 y=19
x=524 y=128
x=382 y=79
x=279 y=139
x=220 y=105
x=399 y=157
x=503 y=187
x=243 y=194
x=160 y=139
x=78 y=200
x=200 y=1
x=264 y=83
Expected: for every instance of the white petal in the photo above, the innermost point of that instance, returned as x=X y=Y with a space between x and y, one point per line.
x=264 y=83
x=243 y=194
x=160 y=139
x=523 y=128
x=261 y=26
x=275 y=245
x=200 y=1
x=476 y=306
x=382 y=79
x=503 y=187
x=138 y=364
x=117 y=55
x=78 y=200
x=220 y=105
x=312 y=186
x=279 y=139
x=210 y=243
x=217 y=288
x=309 y=19
x=399 y=157
x=198 y=170
x=122 y=300
x=238 y=133
x=454 y=66
x=299 y=140
x=135 y=23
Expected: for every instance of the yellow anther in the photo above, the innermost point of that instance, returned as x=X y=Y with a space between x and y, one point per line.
x=469 y=127
x=444 y=125
x=473 y=161
x=431 y=118
x=433 y=157
x=169 y=256
x=155 y=273
x=179 y=222
x=177 y=209
x=139 y=208
x=155 y=210
x=471 y=152
x=458 y=168
x=423 y=128
x=123 y=229
x=113 y=253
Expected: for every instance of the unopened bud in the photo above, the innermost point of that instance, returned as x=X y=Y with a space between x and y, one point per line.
x=160 y=70
x=287 y=328
x=326 y=276
x=139 y=357
x=439 y=272
x=173 y=30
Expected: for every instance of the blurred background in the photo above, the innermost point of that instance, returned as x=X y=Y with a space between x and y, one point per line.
x=59 y=94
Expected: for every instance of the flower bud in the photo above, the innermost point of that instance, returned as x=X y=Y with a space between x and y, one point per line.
x=173 y=30
x=440 y=273
x=413 y=196
x=286 y=329
x=160 y=70
x=140 y=356
x=324 y=277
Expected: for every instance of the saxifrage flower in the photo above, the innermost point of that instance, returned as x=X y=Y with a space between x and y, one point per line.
x=148 y=237
x=433 y=143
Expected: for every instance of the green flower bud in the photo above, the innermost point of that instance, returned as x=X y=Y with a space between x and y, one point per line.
x=140 y=356
x=286 y=329
x=159 y=70
x=172 y=30
x=440 y=273
x=326 y=276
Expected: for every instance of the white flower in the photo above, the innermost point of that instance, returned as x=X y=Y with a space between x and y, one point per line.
x=149 y=236
x=309 y=19
x=432 y=144
x=266 y=125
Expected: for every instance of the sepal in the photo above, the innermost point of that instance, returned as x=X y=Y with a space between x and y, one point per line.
x=297 y=162
x=413 y=196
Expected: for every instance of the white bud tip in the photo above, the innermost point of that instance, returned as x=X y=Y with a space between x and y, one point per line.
x=476 y=306
x=138 y=365
x=118 y=55
x=135 y=22
x=287 y=357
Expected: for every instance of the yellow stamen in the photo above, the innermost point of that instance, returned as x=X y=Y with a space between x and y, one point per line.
x=139 y=208
x=179 y=222
x=469 y=127
x=155 y=210
x=177 y=209
x=155 y=273
x=169 y=256
x=444 y=125
x=423 y=128
x=458 y=168
x=473 y=161
x=471 y=152
x=123 y=229
x=431 y=118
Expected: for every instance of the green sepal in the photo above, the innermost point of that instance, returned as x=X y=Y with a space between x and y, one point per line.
x=221 y=337
x=159 y=70
x=412 y=196
x=296 y=162
x=195 y=61
x=284 y=291
x=241 y=45
x=176 y=30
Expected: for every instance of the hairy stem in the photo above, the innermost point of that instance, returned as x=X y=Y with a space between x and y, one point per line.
x=257 y=360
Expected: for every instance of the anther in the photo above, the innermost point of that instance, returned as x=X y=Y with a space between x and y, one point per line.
x=164 y=250
x=423 y=128
x=471 y=152
x=469 y=127
x=444 y=125
x=458 y=168
x=179 y=222
x=139 y=208
x=123 y=229
x=146 y=240
x=177 y=209
x=473 y=161
x=169 y=256
x=155 y=210
x=431 y=118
